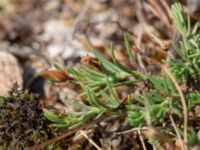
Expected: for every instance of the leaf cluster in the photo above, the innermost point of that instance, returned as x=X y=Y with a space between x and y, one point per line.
x=158 y=99
x=188 y=47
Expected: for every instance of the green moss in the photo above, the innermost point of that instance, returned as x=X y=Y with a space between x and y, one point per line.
x=24 y=125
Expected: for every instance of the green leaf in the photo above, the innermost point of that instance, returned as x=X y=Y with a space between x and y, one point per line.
x=157 y=82
x=127 y=45
x=88 y=75
x=136 y=118
x=58 y=125
x=135 y=107
x=139 y=99
x=78 y=105
x=112 y=92
x=93 y=100
x=75 y=125
x=106 y=64
x=192 y=137
x=2 y=99
x=179 y=51
x=75 y=73
x=108 y=99
x=117 y=63
x=52 y=116
x=95 y=73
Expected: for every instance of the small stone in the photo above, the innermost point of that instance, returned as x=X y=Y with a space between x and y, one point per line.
x=194 y=6
x=116 y=142
x=114 y=127
x=10 y=73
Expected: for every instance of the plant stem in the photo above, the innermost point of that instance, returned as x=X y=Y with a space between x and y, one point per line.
x=168 y=72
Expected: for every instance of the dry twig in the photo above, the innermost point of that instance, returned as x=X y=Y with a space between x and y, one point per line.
x=90 y=140
x=176 y=130
x=183 y=101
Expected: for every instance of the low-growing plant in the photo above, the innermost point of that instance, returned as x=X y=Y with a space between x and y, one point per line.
x=161 y=101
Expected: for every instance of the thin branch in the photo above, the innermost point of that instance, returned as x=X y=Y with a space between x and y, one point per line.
x=163 y=45
x=176 y=130
x=166 y=6
x=160 y=13
x=130 y=131
x=70 y=132
x=139 y=45
x=90 y=140
x=147 y=113
x=183 y=101
x=142 y=140
x=81 y=16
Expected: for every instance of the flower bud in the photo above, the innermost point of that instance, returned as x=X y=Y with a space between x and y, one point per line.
x=56 y=75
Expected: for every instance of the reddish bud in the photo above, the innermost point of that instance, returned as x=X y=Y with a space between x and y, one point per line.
x=56 y=75
x=90 y=61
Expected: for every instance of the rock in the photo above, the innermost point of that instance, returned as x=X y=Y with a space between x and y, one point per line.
x=113 y=127
x=194 y=6
x=116 y=142
x=16 y=30
x=10 y=73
